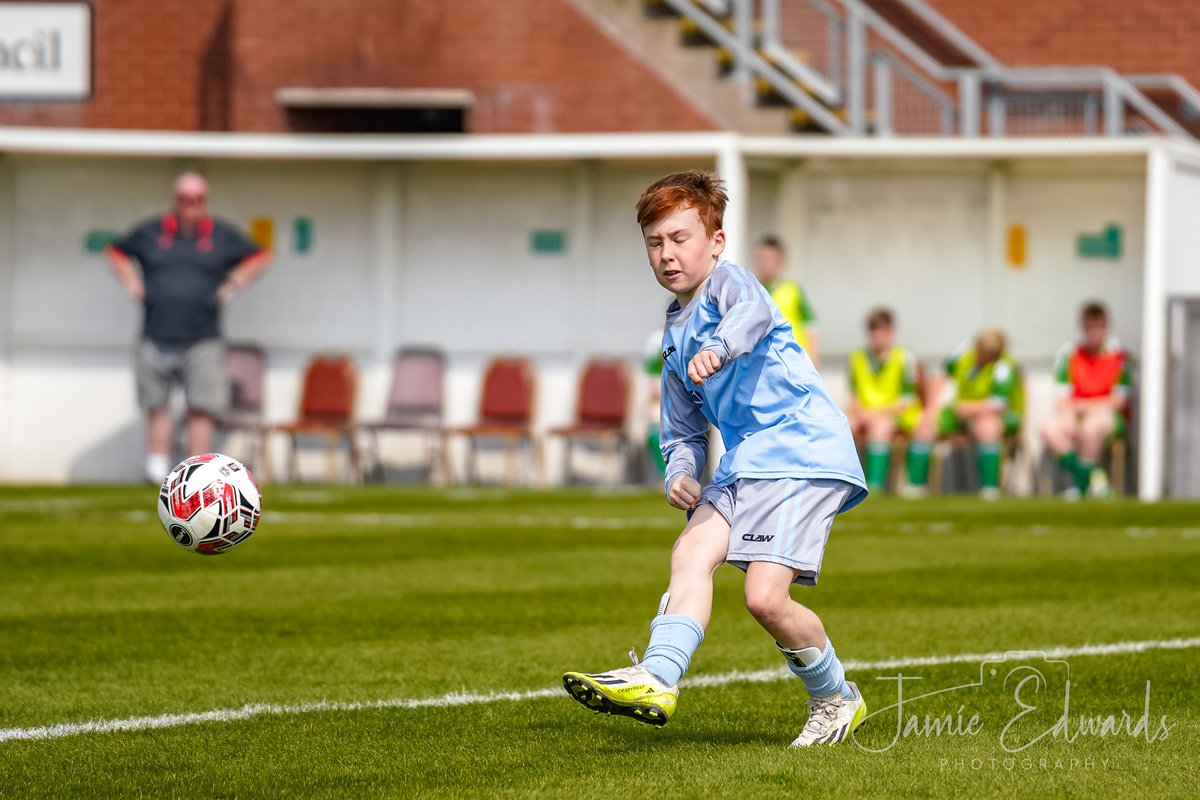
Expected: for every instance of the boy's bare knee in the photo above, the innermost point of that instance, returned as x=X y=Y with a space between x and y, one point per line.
x=1096 y=428
x=697 y=561
x=882 y=432
x=987 y=428
x=764 y=603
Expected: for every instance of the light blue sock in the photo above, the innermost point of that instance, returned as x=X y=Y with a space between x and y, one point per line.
x=824 y=677
x=673 y=640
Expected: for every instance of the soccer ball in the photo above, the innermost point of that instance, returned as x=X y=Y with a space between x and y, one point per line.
x=209 y=504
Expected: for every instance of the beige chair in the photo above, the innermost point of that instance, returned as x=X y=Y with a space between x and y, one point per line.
x=245 y=365
x=414 y=406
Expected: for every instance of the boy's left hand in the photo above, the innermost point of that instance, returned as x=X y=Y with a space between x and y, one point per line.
x=703 y=364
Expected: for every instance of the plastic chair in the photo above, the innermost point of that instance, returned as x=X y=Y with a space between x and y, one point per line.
x=1016 y=463
x=601 y=411
x=245 y=365
x=505 y=413
x=1118 y=454
x=327 y=410
x=414 y=404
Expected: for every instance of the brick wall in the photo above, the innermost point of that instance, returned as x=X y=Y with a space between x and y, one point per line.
x=533 y=65
x=1147 y=36
x=147 y=68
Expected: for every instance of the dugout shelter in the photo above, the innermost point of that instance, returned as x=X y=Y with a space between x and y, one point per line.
x=527 y=244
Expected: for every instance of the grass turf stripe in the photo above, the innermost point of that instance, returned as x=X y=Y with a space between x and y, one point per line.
x=252 y=710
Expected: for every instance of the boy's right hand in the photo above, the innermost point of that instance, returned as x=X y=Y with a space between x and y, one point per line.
x=684 y=493
x=703 y=364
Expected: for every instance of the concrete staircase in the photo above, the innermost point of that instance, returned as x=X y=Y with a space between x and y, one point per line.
x=689 y=63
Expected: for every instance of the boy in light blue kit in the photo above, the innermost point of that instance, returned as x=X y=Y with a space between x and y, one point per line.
x=790 y=466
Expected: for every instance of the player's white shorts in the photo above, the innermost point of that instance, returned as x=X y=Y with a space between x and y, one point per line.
x=783 y=520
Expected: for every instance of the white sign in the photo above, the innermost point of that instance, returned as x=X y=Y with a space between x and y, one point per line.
x=45 y=51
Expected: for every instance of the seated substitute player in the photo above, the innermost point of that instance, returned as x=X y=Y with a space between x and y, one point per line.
x=883 y=400
x=729 y=358
x=983 y=397
x=1092 y=378
x=770 y=264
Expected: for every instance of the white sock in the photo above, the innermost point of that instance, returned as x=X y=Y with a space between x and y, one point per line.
x=157 y=467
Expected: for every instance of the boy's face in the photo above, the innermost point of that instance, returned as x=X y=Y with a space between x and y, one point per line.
x=1095 y=331
x=985 y=355
x=681 y=252
x=880 y=337
x=768 y=263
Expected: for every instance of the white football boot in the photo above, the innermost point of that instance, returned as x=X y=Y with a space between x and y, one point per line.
x=832 y=719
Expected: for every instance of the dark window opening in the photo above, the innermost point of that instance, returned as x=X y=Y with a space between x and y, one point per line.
x=343 y=119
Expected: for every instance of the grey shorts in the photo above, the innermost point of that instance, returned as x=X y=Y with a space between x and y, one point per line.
x=200 y=369
x=782 y=520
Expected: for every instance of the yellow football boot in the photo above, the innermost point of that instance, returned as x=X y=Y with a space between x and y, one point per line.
x=629 y=692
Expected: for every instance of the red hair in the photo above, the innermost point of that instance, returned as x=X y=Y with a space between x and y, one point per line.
x=702 y=191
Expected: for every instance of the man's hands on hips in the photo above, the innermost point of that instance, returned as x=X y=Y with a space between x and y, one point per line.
x=226 y=291
x=684 y=493
x=703 y=364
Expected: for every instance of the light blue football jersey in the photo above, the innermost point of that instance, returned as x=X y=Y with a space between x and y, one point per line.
x=771 y=406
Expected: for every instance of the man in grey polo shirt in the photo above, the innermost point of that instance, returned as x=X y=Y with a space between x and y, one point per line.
x=191 y=265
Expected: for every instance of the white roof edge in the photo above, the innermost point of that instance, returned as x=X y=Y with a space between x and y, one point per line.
x=1184 y=152
x=499 y=147
x=366 y=147
x=946 y=147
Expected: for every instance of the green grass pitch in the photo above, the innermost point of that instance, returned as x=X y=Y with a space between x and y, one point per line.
x=349 y=596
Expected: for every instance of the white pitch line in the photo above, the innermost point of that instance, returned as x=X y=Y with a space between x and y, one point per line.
x=252 y=710
x=428 y=520
x=1060 y=652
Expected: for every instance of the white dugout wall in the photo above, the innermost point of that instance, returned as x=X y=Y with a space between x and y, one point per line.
x=429 y=241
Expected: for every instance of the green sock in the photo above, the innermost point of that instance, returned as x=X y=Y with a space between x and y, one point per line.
x=989 y=465
x=878 y=455
x=1083 y=474
x=653 y=446
x=1069 y=461
x=918 y=463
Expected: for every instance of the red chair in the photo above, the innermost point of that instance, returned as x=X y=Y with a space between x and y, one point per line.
x=505 y=413
x=326 y=410
x=414 y=404
x=601 y=411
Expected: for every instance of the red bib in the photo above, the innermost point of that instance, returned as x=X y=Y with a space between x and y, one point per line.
x=1095 y=374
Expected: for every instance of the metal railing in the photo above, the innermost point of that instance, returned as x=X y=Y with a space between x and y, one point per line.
x=950 y=33
x=1081 y=100
x=805 y=40
x=1186 y=98
x=854 y=72
x=748 y=62
x=906 y=103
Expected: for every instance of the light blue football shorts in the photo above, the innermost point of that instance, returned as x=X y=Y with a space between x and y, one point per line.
x=782 y=520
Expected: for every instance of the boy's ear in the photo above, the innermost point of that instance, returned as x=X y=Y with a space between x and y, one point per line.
x=719 y=242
